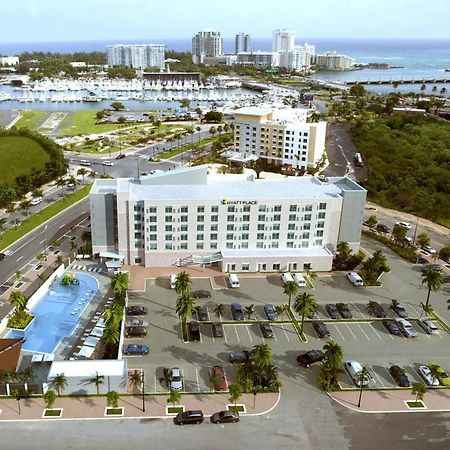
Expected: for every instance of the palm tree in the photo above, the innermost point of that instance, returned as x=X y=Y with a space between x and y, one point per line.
x=249 y=311
x=183 y=284
x=92 y=174
x=27 y=376
x=37 y=193
x=18 y=300
x=59 y=383
x=262 y=355
x=98 y=380
x=372 y=306
x=363 y=376
x=443 y=91
x=434 y=90
x=120 y=282
x=135 y=380
x=219 y=310
x=49 y=399
x=290 y=288
x=112 y=398
x=433 y=279
x=113 y=315
x=25 y=206
x=343 y=252
x=111 y=335
x=18 y=275
x=423 y=239
x=59 y=260
x=423 y=88
x=334 y=355
x=427 y=310
x=311 y=275
x=185 y=307
x=2 y=223
x=82 y=172
x=11 y=210
x=303 y=305
x=40 y=257
x=419 y=390
x=174 y=397
x=61 y=182
x=236 y=392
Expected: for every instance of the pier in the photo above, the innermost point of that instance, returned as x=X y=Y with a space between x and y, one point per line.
x=412 y=80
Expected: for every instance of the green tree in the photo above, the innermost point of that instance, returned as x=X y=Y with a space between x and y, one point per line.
x=423 y=239
x=11 y=210
x=433 y=279
x=111 y=335
x=82 y=172
x=334 y=355
x=372 y=221
x=117 y=106
x=419 y=390
x=343 y=252
x=258 y=166
x=219 y=310
x=18 y=300
x=279 y=309
x=303 y=305
x=249 y=311
x=183 y=283
x=59 y=260
x=135 y=380
x=236 y=392
x=174 y=397
x=113 y=315
x=399 y=234
x=49 y=399
x=372 y=306
x=59 y=383
x=262 y=355
x=112 y=399
x=120 y=282
x=357 y=90
x=185 y=308
x=25 y=206
x=98 y=380
x=363 y=376
x=18 y=275
x=443 y=91
x=444 y=253
x=290 y=288
x=311 y=275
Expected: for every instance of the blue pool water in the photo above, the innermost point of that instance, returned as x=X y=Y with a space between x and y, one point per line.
x=57 y=314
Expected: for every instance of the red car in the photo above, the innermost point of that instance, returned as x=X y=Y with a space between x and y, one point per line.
x=219 y=379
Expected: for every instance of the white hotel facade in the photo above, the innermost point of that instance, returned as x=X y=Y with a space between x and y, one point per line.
x=186 y=216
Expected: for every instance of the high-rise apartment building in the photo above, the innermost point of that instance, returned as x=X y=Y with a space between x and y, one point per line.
x=136 y=56
x=333 y=61
x=298 y=58
x=242 y=43
x=207 y=43
x=283 y=40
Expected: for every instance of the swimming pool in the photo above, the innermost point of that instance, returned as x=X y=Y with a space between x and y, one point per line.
x=57 y=313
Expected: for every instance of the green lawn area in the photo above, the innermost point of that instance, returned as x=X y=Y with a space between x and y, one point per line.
x=20 y=156
x=83 y=122
x=12 y=235
x=32 y=119
x=185 y=148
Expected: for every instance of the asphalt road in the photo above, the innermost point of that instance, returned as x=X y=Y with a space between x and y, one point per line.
x=6 y=117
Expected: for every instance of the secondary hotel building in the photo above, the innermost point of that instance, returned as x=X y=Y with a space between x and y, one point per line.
x=136 y=56
x=237 y=222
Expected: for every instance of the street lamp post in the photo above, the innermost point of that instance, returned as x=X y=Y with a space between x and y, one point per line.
x=45 y=242
x=415 y=231
x=143 y=392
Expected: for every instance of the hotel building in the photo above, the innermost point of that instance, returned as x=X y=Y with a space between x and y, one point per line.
x=239 y=223
x=208 y=43
x=136 y=56
x=242 y=43
x=283 y=40
x=282 y=136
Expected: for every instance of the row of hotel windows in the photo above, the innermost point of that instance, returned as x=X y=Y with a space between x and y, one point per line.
x=244 y=227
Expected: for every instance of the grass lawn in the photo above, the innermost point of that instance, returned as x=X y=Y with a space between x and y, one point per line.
x=52 y=413
x=20 y=156
x=83 y=122
x=185 y=148
x=175 y=409
x=32 y=119
x=414 y=404
x=114 y=411
x=238 y=408
x=12 y=235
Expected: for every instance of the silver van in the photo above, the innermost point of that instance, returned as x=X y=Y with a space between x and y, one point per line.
x=285 y=277
x=354 y=369
x=355 y=279
x=298 y=278
x=234 y=280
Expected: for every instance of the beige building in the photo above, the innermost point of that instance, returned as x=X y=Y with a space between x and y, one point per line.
x=282 y=136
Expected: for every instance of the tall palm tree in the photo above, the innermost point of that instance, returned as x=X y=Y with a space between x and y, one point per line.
x=61 y=182
x=279 y=309
x=290 y=288
x=433 y=280
x=311 y=275
x=174 y=397
x=185 y=307
x=183 y=283
x=18 y=300
x=98 y=380
x=59 y=260
x=262 y=355
x=249 y=311
x=343 y=252
x=135 y=380
x=11 y=210
x=82 y=172
x=303 y=305
x=111 y=335
x=363 y=376
x=37 y=193
x=59 y=383
x=25 y=206
x=443 y=91
x=419 y=390
x=27 y=376
x=120 y=282
x=219 y=310
x=334 y=355
x=434 y=90
x=113 y=315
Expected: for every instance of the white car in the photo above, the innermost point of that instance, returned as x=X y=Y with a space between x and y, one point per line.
x=176 y=379
x=428 y=326
x=36 y=201
x=136 y=323
x=354 y=368
x=107 y=163
x=429 y=249
x=425 y=373
x=85 y=162
x=404 y=224
x=405 y=327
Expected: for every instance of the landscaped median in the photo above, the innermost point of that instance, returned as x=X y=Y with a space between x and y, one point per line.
x=13 y=234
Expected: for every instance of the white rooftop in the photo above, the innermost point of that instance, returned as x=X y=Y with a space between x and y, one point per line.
x=88 y=368
x=253 y=110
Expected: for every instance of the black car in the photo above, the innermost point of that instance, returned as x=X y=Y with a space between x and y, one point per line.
x=217 y=329
x=332 y=311
x=194 y=331
x=189 y=417
x=240 y=356
x=236 y=311
x=225 y=417
x=270 y=312
x=2 y=256
x=136 y=310
x=135 y=332
x=436 y=267
x=311 y=357
x=399 y=309
x=201 y=294
x=202 y=313
x=383 y=228
x=121 y=156
x=376 y=309
x=399 y=375
x=418 y=260
x=392 y=327
x=266 y=330
x=321 y=329
x=344 y=310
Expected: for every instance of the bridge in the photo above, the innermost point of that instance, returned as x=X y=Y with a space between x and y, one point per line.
x=412 y=80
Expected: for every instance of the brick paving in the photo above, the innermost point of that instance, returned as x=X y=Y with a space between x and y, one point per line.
x=155 y=405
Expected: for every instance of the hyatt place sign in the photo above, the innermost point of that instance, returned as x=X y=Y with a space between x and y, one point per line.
x=239 y=202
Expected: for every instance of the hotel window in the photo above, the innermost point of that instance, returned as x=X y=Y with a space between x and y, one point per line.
x=168 y=209
x=260 y=236
x=308 y=208
x=138 y=260
x=231 y=208
x=200 y=237
x=230 y=218
x=152 y=237
x=276 y=266
x=245 y=227
x=230 y=227
x=168 y=218
x=262 y=218
x=138 y=235
x=318 y=241
x=244 y=244
x=151 y=219
x=168 y=246
x=200 y=218
x=246 y=208
x=276 y=227
x=246 y=218
x=262 y=208
x=230 y=236
x=200 y=209
x=305 y=235
x=151 y=228
x=136 y=208
x=229 y=245
x=183 y=218
x=274 y=244
x=319 y=233
x=305 y=244
x=137 y=226
x=183 y=246
x=321 y=215
x=290 y=236
x=245 y=267
x=260 y=245
x=137 y=217
x=291 y=226
x=213 y=236
x=213 y=245
x=322 y=206
x=320 y=224
x=151 y=210
x=307 y=217
x=306 y=226
x=168 y=227
x=183 y=228
x=199 y=245
x=214 y=209
x=201 y=227
x=292 y=217
x=293 y=208
x=277 y=208
x=245 y=236
x=184 y=237
x=169 y=237
x=275 y=235
x=290 y=245
x=152 y=246
x=277 y=217
x=184 y=209
x=214 y=218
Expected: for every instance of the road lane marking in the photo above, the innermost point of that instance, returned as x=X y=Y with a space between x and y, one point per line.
x=248 y=331
x=378 y=378
x=376 y=332
x=274 y=335
x=63 y=225
x=337 y=329
x=198 y=382
x=360 y=327
x=237 y=335
x=19 y=258
x=349 y=329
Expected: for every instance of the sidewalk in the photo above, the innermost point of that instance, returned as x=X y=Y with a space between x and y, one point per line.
x=155 y=406
x=387 y=401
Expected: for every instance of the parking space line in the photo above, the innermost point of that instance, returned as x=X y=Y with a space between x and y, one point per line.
x=287 y=337
x=260 y=332
x=416 y=372
x=337 y=328
x=378 y=378
x=376 y=332
x=390 y=376
x=237 y=335
x=154 y=387
x=360 y=327
x=364 y=317
x=274 y=334
x=349 y=329
x=224 y=335
x=198 y=382
x=248 y=331
x=414 y=309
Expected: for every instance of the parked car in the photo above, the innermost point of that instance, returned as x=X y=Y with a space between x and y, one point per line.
x=428 y=326
x=2 y=256
x=321 y=329
x=189 y=417
x=121 y=156
x=429 y=249
x=201 y=294
x=176 y=379
x=202 y=313
x=404 y=224
x=312 y=315
x=236 y=311
x=240 y=356
x=376 y=309
x=135 y=349
x=217 y=329
x=135 y=332
x=266 y=330
x=311 y=357
x=136 y=310
x=225 y=417
x=270 y=312
x=194 y=331
x=344 y=310
x=399 y=375
x=391 y=326
x=418 y=260
x=85 y=162
x=405 y=327
x=425 y=373
x=219 y=378
x=136 y=323
x=442 y=376
x=354 y=368
x=107 y=163
x=382 y=228
x=436 y=267
x=399 y=309
x=332 y=311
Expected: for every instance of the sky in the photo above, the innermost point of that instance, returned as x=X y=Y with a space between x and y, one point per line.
x=80 y=20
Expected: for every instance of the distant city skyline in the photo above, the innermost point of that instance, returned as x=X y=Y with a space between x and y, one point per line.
x=56 y=21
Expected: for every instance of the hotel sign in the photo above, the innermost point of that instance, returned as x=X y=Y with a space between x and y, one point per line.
x=239 y=202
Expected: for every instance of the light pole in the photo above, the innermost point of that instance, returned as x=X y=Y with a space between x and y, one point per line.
x=45 y=242
x=143 y=392
x=415 y=230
